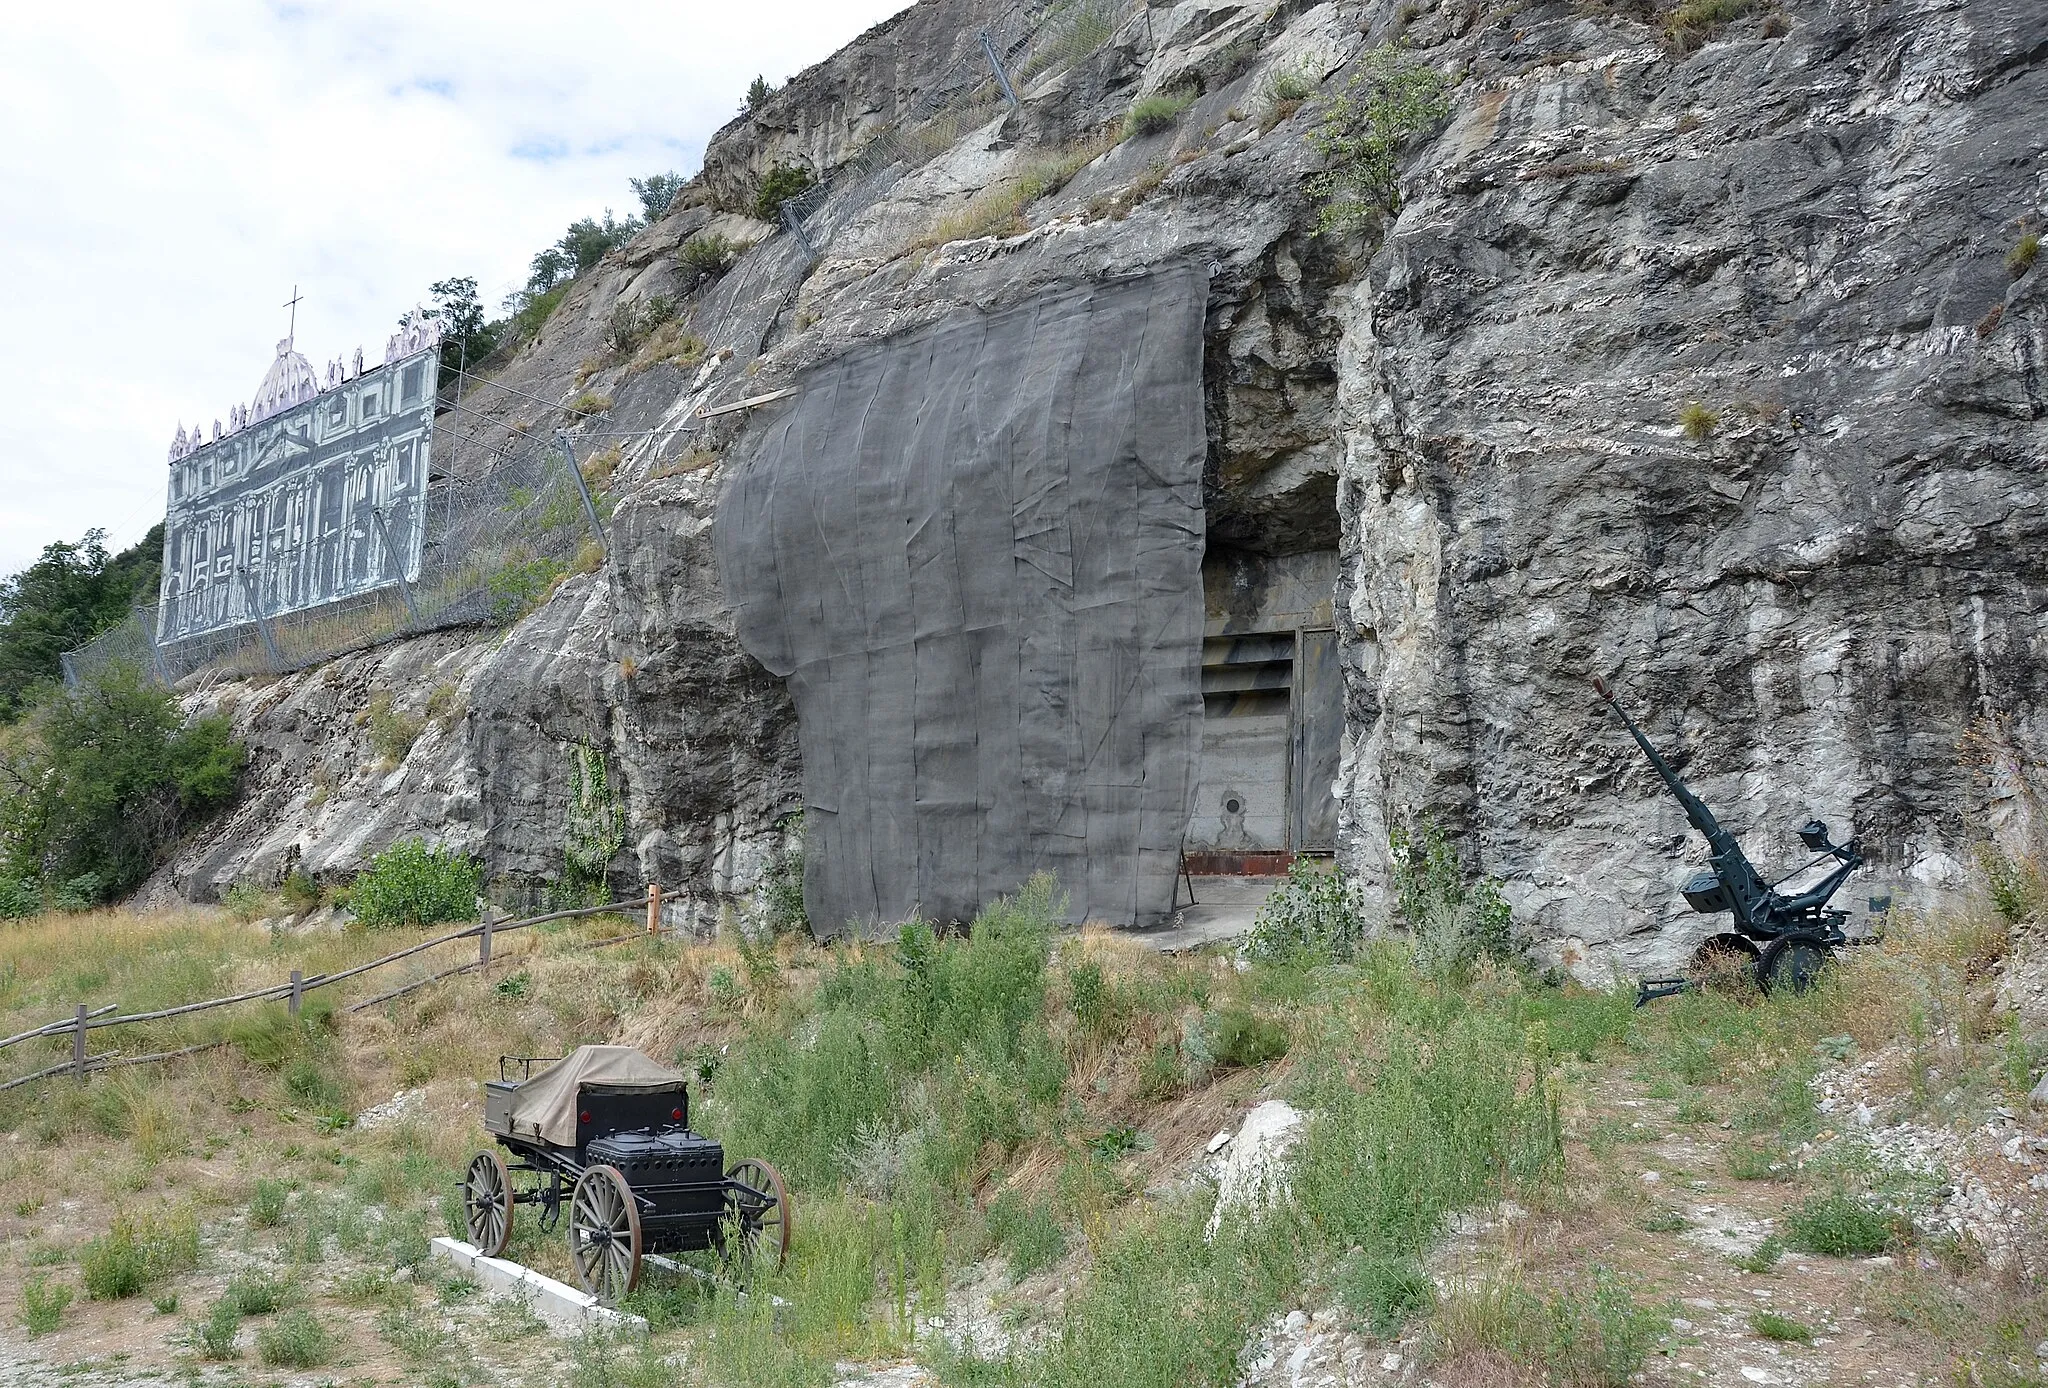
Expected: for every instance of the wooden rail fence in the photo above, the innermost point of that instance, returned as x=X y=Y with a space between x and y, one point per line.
x=293 y=990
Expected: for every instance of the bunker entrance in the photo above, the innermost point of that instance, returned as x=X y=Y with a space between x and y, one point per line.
x=1272 y=713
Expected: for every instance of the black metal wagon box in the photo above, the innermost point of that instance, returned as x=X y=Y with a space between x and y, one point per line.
x=606 y=1131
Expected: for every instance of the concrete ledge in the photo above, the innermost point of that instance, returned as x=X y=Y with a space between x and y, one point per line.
x=564 y=1308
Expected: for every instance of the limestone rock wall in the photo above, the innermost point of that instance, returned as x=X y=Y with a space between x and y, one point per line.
x=1830 y=604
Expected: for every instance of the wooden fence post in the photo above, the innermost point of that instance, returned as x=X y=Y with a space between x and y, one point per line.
x=298 y=994
x=78 y=1045
x=483 y=942
x=654 y=908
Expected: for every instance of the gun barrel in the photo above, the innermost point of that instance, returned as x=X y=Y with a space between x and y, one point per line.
x=1695 y=810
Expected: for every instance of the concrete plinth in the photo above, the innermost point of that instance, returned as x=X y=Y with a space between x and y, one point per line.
x=565 y=1309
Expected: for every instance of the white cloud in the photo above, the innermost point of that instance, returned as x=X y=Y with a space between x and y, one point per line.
x=168 y=172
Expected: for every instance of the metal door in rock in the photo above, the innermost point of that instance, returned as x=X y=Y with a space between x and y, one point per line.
x=1272 y=732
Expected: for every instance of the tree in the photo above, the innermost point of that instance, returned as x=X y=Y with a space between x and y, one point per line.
x=549 y=268
x=99 y=780
x=64 y=599
x=588 y=240
x=657 y=192
x=466 y=336
x=758 y=91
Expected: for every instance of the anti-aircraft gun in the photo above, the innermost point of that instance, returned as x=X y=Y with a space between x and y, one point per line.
x=1785 y=940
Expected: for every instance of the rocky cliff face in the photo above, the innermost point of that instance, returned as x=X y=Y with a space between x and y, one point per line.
x=1829 y=601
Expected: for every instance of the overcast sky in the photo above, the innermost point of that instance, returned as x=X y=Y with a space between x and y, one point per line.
x=169 y=171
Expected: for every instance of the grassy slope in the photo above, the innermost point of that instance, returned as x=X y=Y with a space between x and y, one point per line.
x=999 y=1131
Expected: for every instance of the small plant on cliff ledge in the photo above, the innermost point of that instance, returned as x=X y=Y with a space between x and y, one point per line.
x=596 y=826
x=781 y=183
x=2021 y=257
x=1152 y=114
x=1698 y=422
x=1390 y=101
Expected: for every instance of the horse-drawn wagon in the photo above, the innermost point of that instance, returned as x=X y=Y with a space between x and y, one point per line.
x=606 y=1133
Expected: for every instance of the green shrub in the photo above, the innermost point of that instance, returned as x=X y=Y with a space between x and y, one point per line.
x=1698 y=422
x=43 y=1303
x=532 y=309
x=1391 y=101
x=1236 y=1037
x=1311 y=918
x=1454 y=922
x=255 y=1294
x=164 y=1303
x=1839 y=1225
x=1783 y=1329
x=1291 y=85
x=245 y=901
x=295 y=1340
x=781 y=183
x=706 y=256
x=1386 y=1291
x=522 y=585
x=19 y=898
x=412 y=884
x=266 y=1206
x=2021 y=257
x=1149 y=115
x=300 y=892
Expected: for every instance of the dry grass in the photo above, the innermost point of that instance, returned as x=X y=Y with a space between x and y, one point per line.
x=998 y=210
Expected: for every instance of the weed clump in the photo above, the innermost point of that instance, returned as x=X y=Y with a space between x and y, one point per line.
x=42 y=1304
x=1772 y=1326
x=266 y=1206
x=295 y=1340
x=1595 y=1337
x=1839 y=1225
x=1454 y=922
x=136 y=1252
x=1238 y=1038
x=1028 y=1231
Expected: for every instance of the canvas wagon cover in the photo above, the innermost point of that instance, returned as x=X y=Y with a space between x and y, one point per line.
x=545 y=1106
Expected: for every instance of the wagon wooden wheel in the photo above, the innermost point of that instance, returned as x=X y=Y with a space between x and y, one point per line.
x=604 y=1234
x=487 y=1202
x=760 y=1204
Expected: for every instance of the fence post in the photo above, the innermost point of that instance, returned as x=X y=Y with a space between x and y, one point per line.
x=654 y=908
x=78 y=1045
x=583 y=489
x=483 y=942
x=397 y=564
x=298 y=994
x=996 y=66
x=262 y=622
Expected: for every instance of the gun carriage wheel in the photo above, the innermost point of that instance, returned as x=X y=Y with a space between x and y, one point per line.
x=759 y=1203
x=604 y=1234
x=1792 y=962
x=487 y=1203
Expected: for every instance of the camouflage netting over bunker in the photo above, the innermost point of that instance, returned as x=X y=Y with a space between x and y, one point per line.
x=975 y=554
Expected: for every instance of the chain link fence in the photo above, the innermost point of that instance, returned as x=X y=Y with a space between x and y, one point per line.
x=496 y=544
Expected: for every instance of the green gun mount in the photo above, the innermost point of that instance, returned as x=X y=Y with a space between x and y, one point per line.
x=1786 y=939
